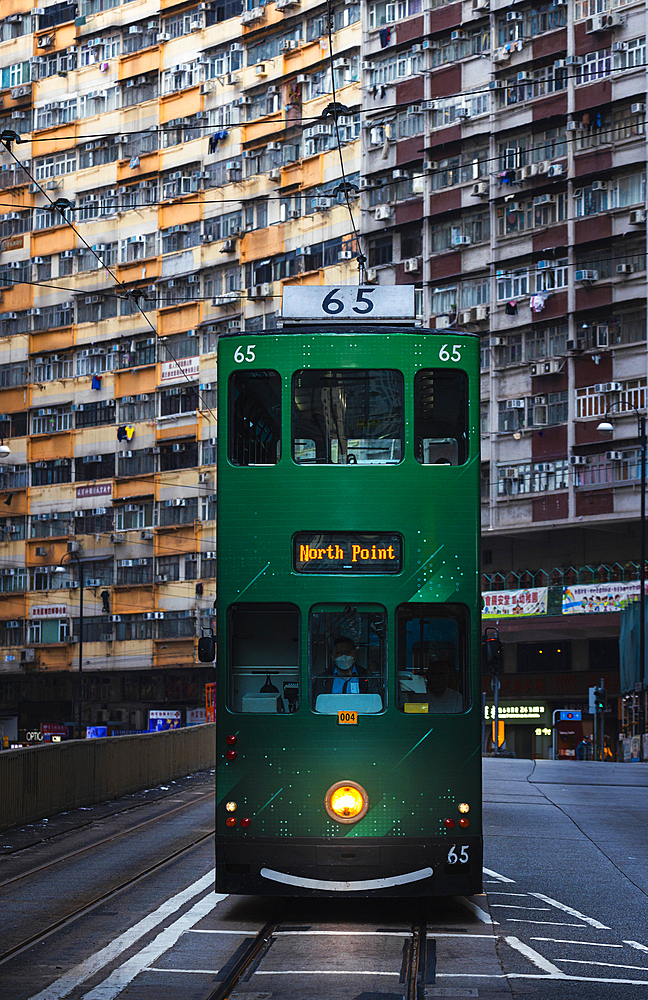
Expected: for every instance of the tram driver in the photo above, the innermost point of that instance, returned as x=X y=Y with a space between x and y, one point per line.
x=433 y=679
x=345 y=675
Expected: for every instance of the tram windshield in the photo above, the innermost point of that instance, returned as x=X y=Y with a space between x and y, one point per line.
x=347 y=658
x=263 y=658
x=348 y=417
x=441 y=416
x=431 y=658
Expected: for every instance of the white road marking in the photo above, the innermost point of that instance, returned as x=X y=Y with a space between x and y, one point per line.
x=609 y=965
x=535 y=957
x=537 y=975
x=547 y=923
x=590 y=944
x=405 y=934
x=635 y=944
x=515 y=906
x=496 y=893
x=323 y=972
x=124 y=975
x=80 y=973
x=572 y=912
x=496 y=875
x=476 y=910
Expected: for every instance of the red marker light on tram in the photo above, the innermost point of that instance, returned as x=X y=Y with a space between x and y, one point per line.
x=449 y=823
x=245 y=821
x=231 y=739
x=464 y=822
x=231 y=754
x=231 y=821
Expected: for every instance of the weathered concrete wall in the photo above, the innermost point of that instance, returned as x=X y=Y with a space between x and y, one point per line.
x=41 y=781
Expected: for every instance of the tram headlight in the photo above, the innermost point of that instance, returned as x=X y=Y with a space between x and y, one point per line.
x=464 y=807
x=230 y=807
x=346 y=802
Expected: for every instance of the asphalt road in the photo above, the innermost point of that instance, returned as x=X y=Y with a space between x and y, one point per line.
x=565 y=915
x=576 y=833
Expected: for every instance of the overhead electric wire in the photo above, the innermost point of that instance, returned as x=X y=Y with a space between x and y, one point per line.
x=129 y=292
x=162 y=128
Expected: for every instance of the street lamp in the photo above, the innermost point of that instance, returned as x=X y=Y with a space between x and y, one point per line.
x=75 y=555
x=606 y=427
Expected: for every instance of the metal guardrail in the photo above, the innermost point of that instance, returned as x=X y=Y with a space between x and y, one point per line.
x=46 y=780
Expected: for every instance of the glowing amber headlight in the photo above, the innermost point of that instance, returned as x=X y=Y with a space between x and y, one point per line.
x=464 y=807
x=346 y=802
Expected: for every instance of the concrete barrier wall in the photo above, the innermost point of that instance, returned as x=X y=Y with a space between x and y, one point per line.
x=45 y=780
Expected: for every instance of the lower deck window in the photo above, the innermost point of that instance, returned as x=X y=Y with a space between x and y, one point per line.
x=263 y=644
x=431 y=658
x=347 y=658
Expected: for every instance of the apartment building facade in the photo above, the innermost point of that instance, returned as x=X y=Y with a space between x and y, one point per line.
x=493 y=154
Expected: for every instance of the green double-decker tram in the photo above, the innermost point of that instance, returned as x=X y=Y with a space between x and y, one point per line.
x=348 y=694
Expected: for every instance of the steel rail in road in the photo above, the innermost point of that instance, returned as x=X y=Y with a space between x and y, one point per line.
x=106 y=840
x=415 y=961
x=100 y=900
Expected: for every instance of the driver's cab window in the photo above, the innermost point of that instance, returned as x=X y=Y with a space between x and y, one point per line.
x=431 y=656
x=263 y=658
x=347 y=659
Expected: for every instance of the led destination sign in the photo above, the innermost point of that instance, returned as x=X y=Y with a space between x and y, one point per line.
x=347 y=552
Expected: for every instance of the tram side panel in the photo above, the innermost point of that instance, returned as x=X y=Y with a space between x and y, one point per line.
x=274 y=834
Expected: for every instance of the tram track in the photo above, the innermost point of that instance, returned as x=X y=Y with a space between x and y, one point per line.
x=101 y=843
x=102 y=898
x=417 y=966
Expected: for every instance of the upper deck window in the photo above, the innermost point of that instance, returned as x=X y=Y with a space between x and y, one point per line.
x=254 y=418
x=348 y=417
x=441 y=416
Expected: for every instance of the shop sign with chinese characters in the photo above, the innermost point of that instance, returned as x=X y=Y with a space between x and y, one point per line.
x=519 y=712
x=514 y=603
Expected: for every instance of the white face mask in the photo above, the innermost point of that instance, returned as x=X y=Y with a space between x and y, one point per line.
x=344 y=662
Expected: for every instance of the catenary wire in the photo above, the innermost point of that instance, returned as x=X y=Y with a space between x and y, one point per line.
x=110 y=272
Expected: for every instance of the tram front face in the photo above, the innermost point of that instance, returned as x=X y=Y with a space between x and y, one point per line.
x=348 y=693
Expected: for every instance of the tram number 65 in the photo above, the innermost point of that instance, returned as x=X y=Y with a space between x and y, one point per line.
x=462 y=858
x=444 y=353
x=239 y=356
x=334 y=306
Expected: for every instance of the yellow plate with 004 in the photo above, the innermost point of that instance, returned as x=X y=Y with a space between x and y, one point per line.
x=348 y=718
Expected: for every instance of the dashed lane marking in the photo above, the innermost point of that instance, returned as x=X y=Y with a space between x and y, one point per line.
x=590 y=944
x=475 y=910
x=609 y=965
x=497 y=876
x=547 y=923
x=80 y=973
x=515 y=906
x=635 y=944
x=534 y=957
x=572 y=912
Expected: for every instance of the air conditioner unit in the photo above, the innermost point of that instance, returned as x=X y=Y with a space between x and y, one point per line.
x=480 y=190
x=462 y=113
x=501 y=55
x=515 y=404
x=321 y=204
x=147 y=536
x=40 y=550
x=413 y=264
x=614 y=456
x=545 y=199
x=525 y=77
x=482 y=313
x=509 y=472
x=294 y=213
x=461 y=241
x=117 y=539
x=161 y=578
x=612 y=387
x=514 y=16
x=578 y=460
x=467 y=316
x=625 y=269
x=637 y=109
x=229 y=246
x=93 y=583
x=12 y=624
x=638 y=217
x=527 y=172
x=275 y=174
x=599 y=185
x=586 y=275
x=345 y=255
